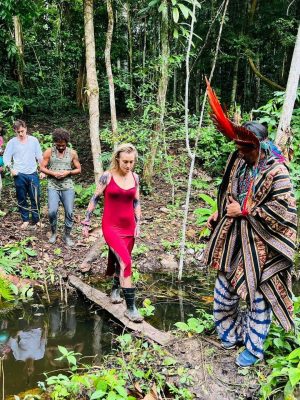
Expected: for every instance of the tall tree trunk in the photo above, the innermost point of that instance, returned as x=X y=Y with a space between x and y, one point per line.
x=130 y=47
x=235 y=80
x=112 y=101
x=80 y=84
x=92 y=87
x=20 y=50
x=257 y=84
x=161 y=96
x=175 y=87
x=284 y=131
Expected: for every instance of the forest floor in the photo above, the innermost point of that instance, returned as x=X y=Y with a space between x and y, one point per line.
x=213 y=369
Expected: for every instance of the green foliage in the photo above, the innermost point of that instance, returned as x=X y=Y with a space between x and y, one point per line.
x=84 y=195
x=196 y=325
x=148 y=308
x=140 y=250
x=282 y=351
x=204 y=213
x=13 y=255
x=6 y=292
x=135 y=362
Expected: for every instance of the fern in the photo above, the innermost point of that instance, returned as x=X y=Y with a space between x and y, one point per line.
x=6 y=292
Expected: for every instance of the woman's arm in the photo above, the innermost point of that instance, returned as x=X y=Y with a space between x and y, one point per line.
x=137 y=207
x=103 y=182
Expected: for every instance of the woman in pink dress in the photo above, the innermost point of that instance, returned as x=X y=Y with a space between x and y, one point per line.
x=120 y=222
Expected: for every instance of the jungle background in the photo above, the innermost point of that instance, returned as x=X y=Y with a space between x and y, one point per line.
x=136 y=89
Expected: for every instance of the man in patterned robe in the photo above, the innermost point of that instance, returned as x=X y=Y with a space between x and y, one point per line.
x=252 y=246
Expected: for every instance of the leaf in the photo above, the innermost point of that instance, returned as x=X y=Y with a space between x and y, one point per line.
x=175 y=33
x=185 y=11
x=175 y=15
x=294 y=375
x=182 y=326
x=294 y=354
x=209 y=200
x=169 y=361
x=121 y=390
x=63 y=350
x=98 y=395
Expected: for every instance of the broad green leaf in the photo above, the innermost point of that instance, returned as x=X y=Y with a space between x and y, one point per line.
x=185 y=11
x=294 y=354
x=294 y=375
x=63 y=350
x=99 y=394
x=175 y=15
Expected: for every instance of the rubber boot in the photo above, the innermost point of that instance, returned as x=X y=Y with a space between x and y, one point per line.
x=67 y=237
x=52 y=239
x=131 y=312
x=115 y=296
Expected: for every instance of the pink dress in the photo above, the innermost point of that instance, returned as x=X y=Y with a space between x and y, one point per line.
x=118 y=225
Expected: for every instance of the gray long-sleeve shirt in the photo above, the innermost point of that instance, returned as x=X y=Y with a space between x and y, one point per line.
x=23 y=157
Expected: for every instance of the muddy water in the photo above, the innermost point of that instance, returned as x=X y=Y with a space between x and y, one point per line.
x=29 y=335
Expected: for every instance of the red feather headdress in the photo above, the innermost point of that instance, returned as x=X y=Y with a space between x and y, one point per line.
x=237 y=133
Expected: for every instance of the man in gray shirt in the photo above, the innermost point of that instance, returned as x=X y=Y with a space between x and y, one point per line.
x=21 y=156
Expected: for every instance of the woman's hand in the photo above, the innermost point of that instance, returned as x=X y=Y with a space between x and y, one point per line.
x=212 y=220
x=85 y=231
x=233 y=208
x=137 y=231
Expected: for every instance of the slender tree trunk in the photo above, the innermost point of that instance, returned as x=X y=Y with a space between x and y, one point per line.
x=193 y=154
x=161 y=96
x=80 y=84
x=257 y=84
x=20 y=50
x=130 y=47
x=144 y=58
x=92 y=87
x=110 y=29
x=284 y=130
x=175 y=87
x=235 y=80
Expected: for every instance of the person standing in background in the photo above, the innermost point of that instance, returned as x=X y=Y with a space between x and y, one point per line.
x=21 y=156
x=61 y=163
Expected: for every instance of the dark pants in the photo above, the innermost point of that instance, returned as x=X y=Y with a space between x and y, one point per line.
x=28 y=185
x=66 y=198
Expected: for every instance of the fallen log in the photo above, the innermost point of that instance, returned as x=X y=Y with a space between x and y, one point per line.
x=117 y=310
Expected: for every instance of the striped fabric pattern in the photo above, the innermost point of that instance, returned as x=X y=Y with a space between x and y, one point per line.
x=235 y=325
x=257 y=251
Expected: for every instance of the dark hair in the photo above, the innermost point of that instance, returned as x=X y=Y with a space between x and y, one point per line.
x=60 y=134
x=259 y=130
x=2 y=129
x=18 y=124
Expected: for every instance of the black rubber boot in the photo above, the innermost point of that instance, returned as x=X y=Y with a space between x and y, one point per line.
x=131 y=312
x=52 y=239
x=67 y=237
x=115 y=297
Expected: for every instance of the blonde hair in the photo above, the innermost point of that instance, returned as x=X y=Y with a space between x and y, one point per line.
x=121 y=148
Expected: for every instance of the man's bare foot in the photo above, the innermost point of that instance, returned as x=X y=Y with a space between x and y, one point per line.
x=24 y=225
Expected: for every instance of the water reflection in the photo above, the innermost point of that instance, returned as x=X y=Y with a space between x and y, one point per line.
x=29 y=340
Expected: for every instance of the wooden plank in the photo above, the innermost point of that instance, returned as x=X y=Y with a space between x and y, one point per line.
x=117 y=310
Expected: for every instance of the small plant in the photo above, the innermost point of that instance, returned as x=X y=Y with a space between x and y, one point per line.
x=282 y=353
x=197 y=325
x=139 y=250
x=148 y=308
x=204 y=213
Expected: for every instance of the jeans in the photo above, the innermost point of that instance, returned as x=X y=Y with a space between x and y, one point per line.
x=28 y=184
x=66 y=197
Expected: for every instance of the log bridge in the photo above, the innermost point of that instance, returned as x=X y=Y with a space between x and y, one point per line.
x=117 y=310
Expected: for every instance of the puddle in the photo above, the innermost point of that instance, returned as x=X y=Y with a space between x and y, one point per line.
x=29 y=337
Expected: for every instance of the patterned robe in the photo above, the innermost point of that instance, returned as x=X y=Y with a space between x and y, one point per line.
x=257 y=251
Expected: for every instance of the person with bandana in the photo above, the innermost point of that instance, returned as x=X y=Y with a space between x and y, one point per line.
x=253 y=239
